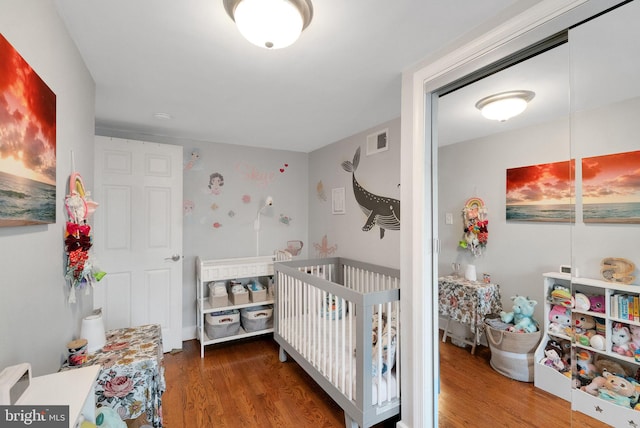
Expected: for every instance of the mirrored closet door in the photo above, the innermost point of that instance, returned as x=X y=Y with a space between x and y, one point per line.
x=605 y=143
x=559 y=188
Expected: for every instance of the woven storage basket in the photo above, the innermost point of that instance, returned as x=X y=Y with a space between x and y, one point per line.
x=512 y=353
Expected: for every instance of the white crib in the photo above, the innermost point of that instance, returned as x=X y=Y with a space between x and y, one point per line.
x=339 y=320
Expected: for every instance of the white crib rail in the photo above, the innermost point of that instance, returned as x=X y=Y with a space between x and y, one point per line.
x=330 y=316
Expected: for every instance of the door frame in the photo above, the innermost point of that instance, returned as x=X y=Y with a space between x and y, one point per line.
x=419 y=241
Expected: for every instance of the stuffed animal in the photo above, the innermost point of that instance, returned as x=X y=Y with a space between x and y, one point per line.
x=581 y=302
x=620 y=339
x=560 y=295
x=553 y=356
x=597 y=341
x=584 y=363
x=597 y=304
x=584 y=324
x=521 y=316
x=566 y=351
x=560 y=319
x=607 y=365
x=106 y=417
x=618 y=390
x=635 y=337
x=594 y=386
x=601 y=326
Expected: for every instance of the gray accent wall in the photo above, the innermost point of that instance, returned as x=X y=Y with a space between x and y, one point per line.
x=36 y=322
x=378 y=173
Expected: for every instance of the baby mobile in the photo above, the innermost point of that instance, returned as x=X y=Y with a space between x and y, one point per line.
x=476 y=234
x=81 y=270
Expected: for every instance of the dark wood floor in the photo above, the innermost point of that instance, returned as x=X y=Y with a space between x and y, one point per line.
x=243 y=384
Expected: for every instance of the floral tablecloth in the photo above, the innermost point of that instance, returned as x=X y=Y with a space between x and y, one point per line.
x=132 y=377
x=468 y=302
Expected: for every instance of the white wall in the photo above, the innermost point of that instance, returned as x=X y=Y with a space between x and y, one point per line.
x=517 y=253
x=36 y=322
x=378 y=173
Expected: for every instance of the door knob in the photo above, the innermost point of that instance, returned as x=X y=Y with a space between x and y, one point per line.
x=174 y=258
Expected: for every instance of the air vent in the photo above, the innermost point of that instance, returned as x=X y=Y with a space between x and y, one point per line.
x=377 y=142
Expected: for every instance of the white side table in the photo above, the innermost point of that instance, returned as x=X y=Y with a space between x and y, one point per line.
x=74 y=388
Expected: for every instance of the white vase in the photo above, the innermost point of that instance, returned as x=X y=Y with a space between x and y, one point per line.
x=470 y=273
x=93 y=330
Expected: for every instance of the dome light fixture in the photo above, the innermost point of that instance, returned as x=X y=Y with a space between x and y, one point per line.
x=271 y=24
x=505 y=105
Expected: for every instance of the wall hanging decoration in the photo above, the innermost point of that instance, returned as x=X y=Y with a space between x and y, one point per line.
x=611 y=188
x=616 y=269
x=27 y=143
x=81 y=269
x=323 y=249
x=193 y=160
x=541 y=193
x=320 y=191
x=294 y=247
x=250 y=172
x=475 y=222
x=381 y=211
x=285 y=219
x=216 y=181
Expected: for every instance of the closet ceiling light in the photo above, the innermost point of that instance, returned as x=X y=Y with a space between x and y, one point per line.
x=271 y=24
x=504 y=105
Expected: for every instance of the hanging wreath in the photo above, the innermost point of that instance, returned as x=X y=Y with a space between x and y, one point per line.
x=476 y=233
x=77 y=238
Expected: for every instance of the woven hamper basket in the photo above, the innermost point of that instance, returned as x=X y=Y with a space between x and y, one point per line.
x=512 y=353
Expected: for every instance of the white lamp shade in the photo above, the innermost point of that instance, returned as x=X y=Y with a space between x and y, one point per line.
x=92 y=329
x=273 y=24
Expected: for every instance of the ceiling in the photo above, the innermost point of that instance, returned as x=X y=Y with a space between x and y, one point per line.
x=546 y=74
x=186 y=59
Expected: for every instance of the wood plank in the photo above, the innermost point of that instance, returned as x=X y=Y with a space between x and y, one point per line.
x=243 y=384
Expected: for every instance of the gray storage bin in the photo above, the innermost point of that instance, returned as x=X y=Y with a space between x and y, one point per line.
x=222 y=324
x=257 y=318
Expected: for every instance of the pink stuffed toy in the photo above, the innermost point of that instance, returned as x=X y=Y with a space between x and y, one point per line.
x=560 y=318
x=597 y=304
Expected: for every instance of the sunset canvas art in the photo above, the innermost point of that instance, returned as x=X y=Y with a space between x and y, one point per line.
x=611 y=188
x=27 y=143
x=541 y=193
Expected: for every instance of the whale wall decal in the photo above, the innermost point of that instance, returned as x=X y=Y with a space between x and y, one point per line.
x=381 y=211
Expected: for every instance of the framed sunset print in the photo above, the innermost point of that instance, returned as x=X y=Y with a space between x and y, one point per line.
x=27 y=143
x=541 y=193
x=611 y=188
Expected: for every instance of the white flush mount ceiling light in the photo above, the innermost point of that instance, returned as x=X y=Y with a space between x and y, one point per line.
x=162 y=116
x=271 y=24
x=504 y=105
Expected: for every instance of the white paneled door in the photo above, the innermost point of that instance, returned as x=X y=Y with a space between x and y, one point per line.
x=138 y=235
